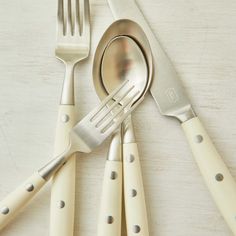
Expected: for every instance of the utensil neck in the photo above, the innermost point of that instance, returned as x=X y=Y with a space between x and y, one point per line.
x=115 y=150
x=186 y=115
x=67 y=95
x=128 y=131
x=55 y=164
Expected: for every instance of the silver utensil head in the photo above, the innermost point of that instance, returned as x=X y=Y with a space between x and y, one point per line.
x=123 y=60
x=100 y=123
x=123 y=53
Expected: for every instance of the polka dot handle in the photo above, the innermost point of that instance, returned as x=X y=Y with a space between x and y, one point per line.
x=109 y=220
x=135 y=206
x=62 y=207
x=218 y=179
x=16 y=200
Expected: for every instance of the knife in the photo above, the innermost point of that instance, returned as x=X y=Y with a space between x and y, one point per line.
x=172 y=101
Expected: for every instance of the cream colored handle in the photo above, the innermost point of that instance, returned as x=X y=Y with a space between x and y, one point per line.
x=109 y=221
x=16 y=200
x=219 y=181
x=63 y=182
x=135 y=206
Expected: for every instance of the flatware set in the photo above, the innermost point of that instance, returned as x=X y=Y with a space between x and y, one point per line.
x=172 y=101
x=128 y=62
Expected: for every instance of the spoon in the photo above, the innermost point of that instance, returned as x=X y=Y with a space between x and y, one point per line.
x=122 y=54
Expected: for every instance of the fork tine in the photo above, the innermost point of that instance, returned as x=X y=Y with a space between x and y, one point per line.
x=118 y=122
x=60 y=18
x=106 y=124
x=77 y=17
x=74 y=18
x=105 y=102
x=65 y=13
x=69 y=18
x=86 y=19
x=110 y=108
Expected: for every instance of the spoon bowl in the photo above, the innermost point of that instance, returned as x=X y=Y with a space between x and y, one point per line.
x=123 y=60
x=123 y=53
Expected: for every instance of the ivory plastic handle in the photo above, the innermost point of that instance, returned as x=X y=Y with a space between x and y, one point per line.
x=135 y=206
x=16 y=200
x=219 y=181
x=63 y=183
x=109 y=221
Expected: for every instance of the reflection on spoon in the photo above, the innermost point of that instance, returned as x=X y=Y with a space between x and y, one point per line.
x=123 y=60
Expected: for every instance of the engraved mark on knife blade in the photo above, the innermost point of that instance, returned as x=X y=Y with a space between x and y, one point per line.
x=172 y=95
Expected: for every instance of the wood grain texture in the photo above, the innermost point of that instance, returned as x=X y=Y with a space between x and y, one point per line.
x=199 y=36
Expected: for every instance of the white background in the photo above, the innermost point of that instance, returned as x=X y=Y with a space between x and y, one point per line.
x=200 y=38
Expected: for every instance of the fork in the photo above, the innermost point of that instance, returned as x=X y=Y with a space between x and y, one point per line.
x=85 y=136
x=73 y=45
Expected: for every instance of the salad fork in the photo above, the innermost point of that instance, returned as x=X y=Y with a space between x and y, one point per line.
x=85 y=136
x=73 y=45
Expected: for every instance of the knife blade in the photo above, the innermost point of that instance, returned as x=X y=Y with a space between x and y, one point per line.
x=172 y=100
x=166 y=88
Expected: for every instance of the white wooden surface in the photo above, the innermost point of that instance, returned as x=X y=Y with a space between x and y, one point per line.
x=199 y=37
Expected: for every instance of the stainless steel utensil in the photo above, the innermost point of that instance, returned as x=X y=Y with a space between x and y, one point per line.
x=172 y=101
x=89 y=133
x=73 y=45
x=123 y=53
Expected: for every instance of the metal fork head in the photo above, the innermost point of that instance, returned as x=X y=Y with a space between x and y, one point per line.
x=73 y=30
x=100 y=123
